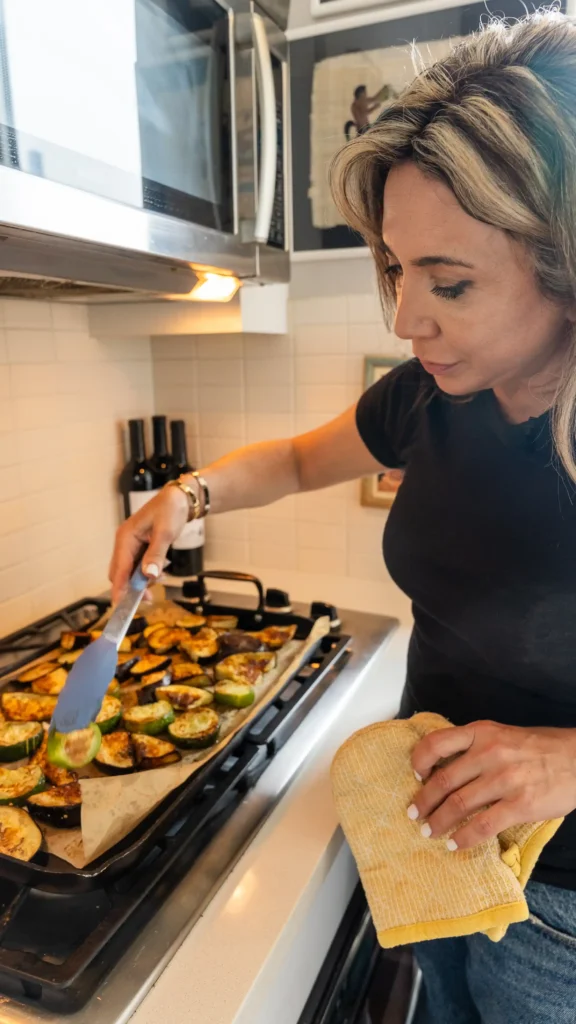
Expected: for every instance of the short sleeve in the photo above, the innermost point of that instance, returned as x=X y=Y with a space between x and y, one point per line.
x=388 y=413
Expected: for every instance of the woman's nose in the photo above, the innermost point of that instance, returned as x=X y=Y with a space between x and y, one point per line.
x=411 y=320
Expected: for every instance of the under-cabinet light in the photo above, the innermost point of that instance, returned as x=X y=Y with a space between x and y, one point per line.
x=214 y=288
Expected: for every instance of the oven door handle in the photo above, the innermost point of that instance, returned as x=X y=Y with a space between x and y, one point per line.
x=268 y=135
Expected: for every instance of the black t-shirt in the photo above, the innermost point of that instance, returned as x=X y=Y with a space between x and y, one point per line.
x=482 y=538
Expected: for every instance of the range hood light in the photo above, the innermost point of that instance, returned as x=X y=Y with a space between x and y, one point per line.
x=214 y=288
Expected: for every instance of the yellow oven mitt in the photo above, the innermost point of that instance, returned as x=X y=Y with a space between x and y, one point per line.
x=416 y=888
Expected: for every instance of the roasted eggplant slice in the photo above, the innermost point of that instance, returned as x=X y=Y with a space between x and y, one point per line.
x=69 y=641
x=28 y=707
x=238 y=642
x=74 y=749
x=52 y=683
x=225 y=622
x=125 y=644
x=116 y=755
x=17 y=784
x=150 y=718
x=245 y=668
x=195 y=729
x=19 y=739
x=184 y=698
x=183 y=670
x=138 y=625
x=20 y=837
x=164 y=640
x=203 y=644
x=126 y=663
x=67 y=658
x=150 y=663
x=57 y=776
x=235 y=695
x=274 y=637
x=191 y=622
x=152 y=629
x=37 y=671
x=109 y=715
x=59 y=806
x=150 y=752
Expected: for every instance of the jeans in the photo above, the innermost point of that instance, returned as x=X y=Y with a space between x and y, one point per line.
x=529 y=977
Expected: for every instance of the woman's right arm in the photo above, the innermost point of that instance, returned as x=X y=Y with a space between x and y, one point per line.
x=248 y=477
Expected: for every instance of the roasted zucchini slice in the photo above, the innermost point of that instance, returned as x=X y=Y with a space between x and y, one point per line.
x=236 y=695
x=203 y=644
x=20 y=837
x=245 y=668
x=17 y=784
x=37 y=671
x=150 y=663
x=74 y=749
x=150 y=752
x=116 y=755
x=183 y=670
x=59 y=806
x=150 y=718
x=19 y=739
x=238 y=642
x=69 y=641
x=164 y=640
x=195 y=729
x=126 y=663
x=28 y=707
x=57 y=776
x=152 y=629
x=67 y=658
x=109 y=715
x=191 y=622
x=226 y=622
x=184 y=698
x=52 y=683
x=274 y=637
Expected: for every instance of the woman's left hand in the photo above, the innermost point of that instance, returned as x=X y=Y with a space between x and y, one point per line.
x=504 y=776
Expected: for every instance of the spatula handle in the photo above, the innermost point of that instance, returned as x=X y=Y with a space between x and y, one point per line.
x=117 y=626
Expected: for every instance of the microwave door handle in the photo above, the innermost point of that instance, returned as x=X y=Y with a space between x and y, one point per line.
x=268 y=138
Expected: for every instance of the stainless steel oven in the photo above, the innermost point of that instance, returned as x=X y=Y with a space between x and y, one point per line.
x=153 y=128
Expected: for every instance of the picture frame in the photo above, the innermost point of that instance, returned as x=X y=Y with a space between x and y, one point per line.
x=380 y=489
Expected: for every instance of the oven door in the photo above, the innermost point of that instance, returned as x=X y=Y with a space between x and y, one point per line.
x=360 y=983
x=118 y=125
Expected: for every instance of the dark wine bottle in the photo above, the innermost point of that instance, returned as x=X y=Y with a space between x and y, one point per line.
x=161 y=462
x=187 y=552
x=136 y=479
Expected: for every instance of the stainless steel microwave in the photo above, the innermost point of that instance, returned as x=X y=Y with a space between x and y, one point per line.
x=141 y=141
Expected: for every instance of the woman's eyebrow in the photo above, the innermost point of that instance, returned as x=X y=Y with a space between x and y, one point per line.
x=446 y=261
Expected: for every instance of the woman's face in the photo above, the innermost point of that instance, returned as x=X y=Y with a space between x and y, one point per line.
x=467 y=295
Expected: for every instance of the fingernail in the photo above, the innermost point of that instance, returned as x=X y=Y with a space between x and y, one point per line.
x=451 y=845
x=417 y=776
x=426 y=831
x=412 y=812
x=152 y=570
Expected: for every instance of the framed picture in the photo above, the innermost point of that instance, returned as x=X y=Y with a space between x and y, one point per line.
x=380 y=489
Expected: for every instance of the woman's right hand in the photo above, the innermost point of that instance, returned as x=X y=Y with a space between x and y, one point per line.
x=147 y=535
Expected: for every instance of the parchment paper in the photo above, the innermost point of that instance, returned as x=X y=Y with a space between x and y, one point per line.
x=113 y=805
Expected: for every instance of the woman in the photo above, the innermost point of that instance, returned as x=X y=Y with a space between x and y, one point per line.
x=465 y=190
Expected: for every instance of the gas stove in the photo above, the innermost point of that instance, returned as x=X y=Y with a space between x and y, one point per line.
x=87 y=950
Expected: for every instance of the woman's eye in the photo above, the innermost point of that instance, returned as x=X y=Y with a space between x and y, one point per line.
x=450 y=291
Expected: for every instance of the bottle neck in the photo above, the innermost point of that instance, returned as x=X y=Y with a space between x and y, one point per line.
x=137 y=452
x=179 y=453
x=159 y=433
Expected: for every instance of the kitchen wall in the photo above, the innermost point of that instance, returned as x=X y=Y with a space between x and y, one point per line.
x=62 y=397
x=236 y=390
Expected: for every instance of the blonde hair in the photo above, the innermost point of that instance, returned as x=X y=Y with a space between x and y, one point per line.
x=496 y=121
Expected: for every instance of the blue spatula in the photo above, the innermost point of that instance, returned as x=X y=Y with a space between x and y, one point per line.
x=80 y=700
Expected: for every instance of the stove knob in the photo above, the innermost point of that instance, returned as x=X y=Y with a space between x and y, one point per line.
x=277 y=601
x=319 y=608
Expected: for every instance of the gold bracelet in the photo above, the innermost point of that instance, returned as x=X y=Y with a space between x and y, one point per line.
x=194 y=511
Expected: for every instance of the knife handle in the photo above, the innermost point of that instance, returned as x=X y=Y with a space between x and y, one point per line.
x=117 y=626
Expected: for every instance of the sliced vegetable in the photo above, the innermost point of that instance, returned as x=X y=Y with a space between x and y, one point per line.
x=152 y=629
x=184 y=697
x=236 y=695
x=150 y=752
x=69 y=657
x=150 y=718
x=225 y=622
x=19 y=739
x=138 y=625
x=59 y=806
x=37 y=671
x=28 y=707
x=195 y=729
x=109 y=715
x=69 y=641
x=17 y=784
x=203 y=644
x=116 y=755
x=238 y=643
x=113 y=689
x=52 y=683
x=126 y=663
x=125 y=644
x=245 y=668
x=191 y=622
x=74 y=749
x=57 y=776
x=20 y=837
x=164 y=640
x=189 y=670
x=150 y=663
x=276 y=636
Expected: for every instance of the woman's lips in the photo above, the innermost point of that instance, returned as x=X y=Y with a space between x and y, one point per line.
x=438 y=369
